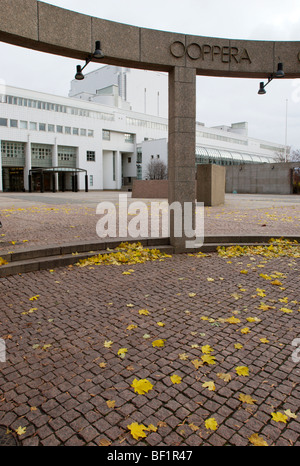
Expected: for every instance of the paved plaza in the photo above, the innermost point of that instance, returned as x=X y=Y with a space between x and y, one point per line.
x=214 y=337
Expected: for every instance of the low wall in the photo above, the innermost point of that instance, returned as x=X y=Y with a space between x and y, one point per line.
x=260 y=178
x=150 y=189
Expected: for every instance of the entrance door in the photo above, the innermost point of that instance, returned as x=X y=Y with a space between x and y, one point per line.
x=13 y=179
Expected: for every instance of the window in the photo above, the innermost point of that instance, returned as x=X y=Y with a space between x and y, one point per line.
x=91 y=180
x=157 y=156
x=90 y=133
x=42 y=126
x=129 y=160
x=67 y=130
x=59 y=128
x=76 y=131
x=90 y=156
x=13 y=154
x=33 y=126
x=51 y=128
x=3 y=122
x=82 y=132
x=106 y=135
x=23 y=124
x=13 y=123
x=129 y=137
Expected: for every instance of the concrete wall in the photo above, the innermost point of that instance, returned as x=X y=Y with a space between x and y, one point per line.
x=211 y=184
x=260 y=178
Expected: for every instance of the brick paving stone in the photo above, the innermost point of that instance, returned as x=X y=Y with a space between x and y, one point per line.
x=70 y=390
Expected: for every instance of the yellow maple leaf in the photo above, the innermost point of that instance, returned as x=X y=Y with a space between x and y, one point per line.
x=209 y=279
x=137 y=430
x=279 y=417
x=242 y=370
x=286 y=310
x=196 y=363
x=232 y=320
x=175 y=379
x=211 y=423
x=276 y=282
x=245 y=330
x=210 y=385
x=244 y=271
x=253 y=319
x=121 y=352
x=131 y=327
x=290 y=414
x=191 y=295
x=141 y=386
x=107 y=344
x=246 y=399
x=183 y=356
x=264 y=340
x=160 y=324
x=111 y=403
x=144 y=312
x=257 y=441
x=238 y=346
x=208 y=359
x=265 y=307
x=206 y=349
x=158 y=343
x=21 y=430
x=151 y=428
x=34 y=298
x=224 y=376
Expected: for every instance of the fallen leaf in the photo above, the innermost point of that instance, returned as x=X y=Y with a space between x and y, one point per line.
x=107 y=344
x=242 y=370
x=131 y=327
x=253 y=319
x=246 y=399
x=137 y=430
x=183 y=356
x=286 y=310
x=210 y=385
x=245 y=330
x=279 y=417
x=264 y=340
x=238 y=346
x=141 y=386
x=211 y=423
x=196 y=363
x=208 y=359
x=290 y=414
x=111 y=403
x=104 y=443
x=160 y=324
x=206 y=349
x=224 y=376
x=233 y=320
x=257 y=441
x=176 y=379
x=122 y=352
x=159 y=343
x=21 y=430
x=144 y=312
x=193 y=426
x=151 y=428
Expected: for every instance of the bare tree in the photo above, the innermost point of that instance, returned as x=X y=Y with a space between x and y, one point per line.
x=156 y=170
x=295 y=155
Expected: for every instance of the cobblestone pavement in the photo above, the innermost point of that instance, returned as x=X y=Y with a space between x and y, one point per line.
x=36 y=219
x=65 y=387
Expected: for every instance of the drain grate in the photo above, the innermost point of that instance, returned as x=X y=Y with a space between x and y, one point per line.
x=7 y=438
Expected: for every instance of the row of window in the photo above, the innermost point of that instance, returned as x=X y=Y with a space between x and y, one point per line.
x=15 y=151
x=128 y=137
x=34 y=126
x=204 y=134
x=42 y=105
x=147 y=124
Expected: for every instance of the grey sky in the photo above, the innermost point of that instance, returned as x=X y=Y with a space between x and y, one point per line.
x=219 y=100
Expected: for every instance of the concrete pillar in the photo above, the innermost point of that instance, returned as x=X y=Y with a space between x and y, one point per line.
x=55 y=164
x=118 y=159
x=1 y=175
x=181 y=149
x=27 y=167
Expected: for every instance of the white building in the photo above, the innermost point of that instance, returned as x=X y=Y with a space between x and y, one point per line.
x=101 y=138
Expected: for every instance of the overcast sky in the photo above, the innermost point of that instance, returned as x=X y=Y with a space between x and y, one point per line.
x=219 y=100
